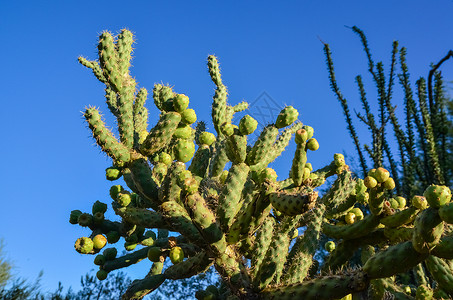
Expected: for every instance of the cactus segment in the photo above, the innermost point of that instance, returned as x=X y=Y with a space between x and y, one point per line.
x=160 y=136
x=231 y=194
x=184 y=150
x=293 y=204
x=428 y=228
x=396 y=259
x=141 y=217
x=286 y=117
x=143 y=181
x=441 y=272
x=298 y=166
x=104 y=137
x=353 y=231
x=400 y=218
x=192 y=266
x=236 y=147
x=446 y=213
x=74 y=217
x=180 y=102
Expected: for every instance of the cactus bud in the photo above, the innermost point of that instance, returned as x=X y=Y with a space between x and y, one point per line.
x=339 y=159
x=85 y=220
x=110 y=253
x=301 y=136
x=310 y=131
x=183 y=132
x=184 y=150
x=437 y=195
x=227 y=129
x=113 y=237
x=99 y=260
x=115 y=190
x=176 y=255
x=165 y=158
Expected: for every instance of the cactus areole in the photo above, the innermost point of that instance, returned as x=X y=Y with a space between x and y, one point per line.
x=243 y=220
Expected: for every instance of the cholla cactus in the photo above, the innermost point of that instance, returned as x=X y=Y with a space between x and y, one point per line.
x=244 y=220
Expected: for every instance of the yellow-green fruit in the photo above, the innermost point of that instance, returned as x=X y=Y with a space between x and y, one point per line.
x=329 y=246
x=154 y=254
x=206 y=138
x=358 y=213
x=129 y=246
x=370 y=182
x=188 y=116
x=309 y=166
x=312 y=144
x=115 y=190
x=180 y=102
x=437 y=195
x=165 y=158
x=401 y=201
x=350 y=218
x=310 y=131
x=381 y=175
x=419 y=202
x=339 y=159
x=112 y=173
x=84 y=245
x=101 y=274
x=294 y=233
x=247 y=125
x=286 y=117
x=176 y=255
x=407 y=290
x=227 y=129
x=184 y=150
x=147 y=242
x=99 y=241
x=389 y=184
x=124 y=199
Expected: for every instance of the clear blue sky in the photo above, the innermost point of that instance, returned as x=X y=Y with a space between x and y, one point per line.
x=50 y=165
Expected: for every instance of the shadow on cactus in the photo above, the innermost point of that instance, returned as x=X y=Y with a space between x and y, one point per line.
x=244 y=220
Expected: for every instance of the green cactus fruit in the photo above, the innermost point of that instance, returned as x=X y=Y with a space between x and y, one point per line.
x=113 y=173
x=129 y=246
x=165 y=158
x=99 y=241
x=147 y=242
x=339 y=159
x=358 y=213
x=180 y=102
x=381 y=174
x=115 y=190
x=190 y=186
x=329 y=246
x=423 y=293
x=268 y=174
x=206 y=138
x=124 y=198
x=99 y=260
x=101 y=274
x=223 y=176
x=176 y=255
x=437 y=195
x=393 y=203
x=154 y=254
x=98 y=206
x=113 y=237
x=350 y=218
x=110 y=253
x=370 y=182
x=309 y=166
x=84 y=245
x=184 y=150
x=85 y=220
x=188 y=116
x=247 y=125
x=419 y=202
x=74 y=217
x=183 y=132
x=312 y=144
x=286 y=117
x=301 y=136
x=389 y=184
x=227 y=129
x=401 y=202
x=293 y=204
x=151 y=234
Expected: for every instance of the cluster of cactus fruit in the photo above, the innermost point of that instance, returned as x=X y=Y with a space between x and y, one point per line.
x=244 y=221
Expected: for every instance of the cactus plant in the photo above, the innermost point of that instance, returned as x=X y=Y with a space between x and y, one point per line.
x=242 y=220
